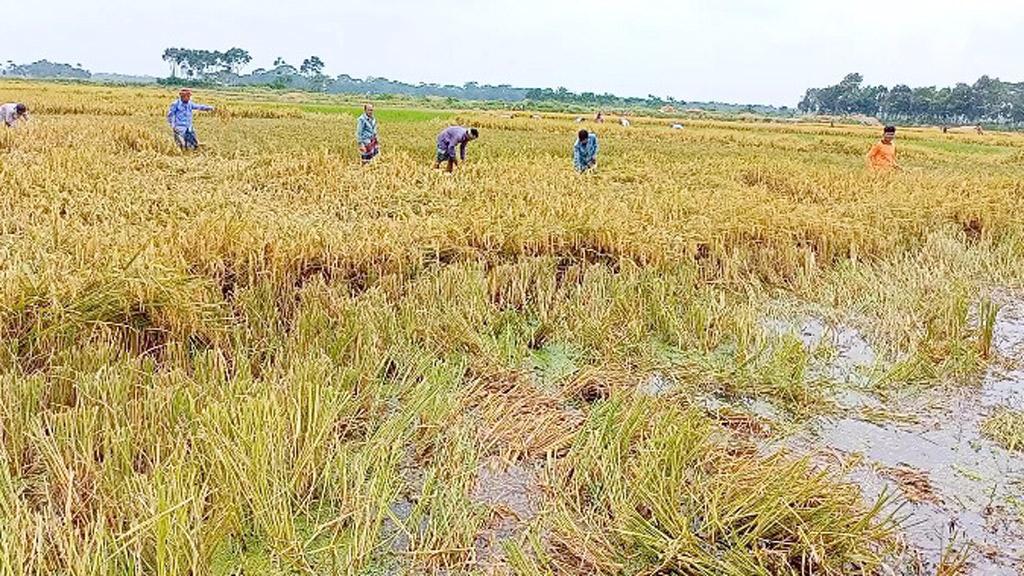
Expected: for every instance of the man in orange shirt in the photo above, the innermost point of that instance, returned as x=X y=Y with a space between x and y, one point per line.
x=883 y=154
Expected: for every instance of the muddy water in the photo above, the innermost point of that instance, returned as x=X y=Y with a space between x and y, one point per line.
x=972 y=483
x=512 y=495
x=853 y=355
x=966 y=490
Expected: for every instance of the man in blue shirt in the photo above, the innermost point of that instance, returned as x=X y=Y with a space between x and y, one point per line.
x=366 y=134
x=180 y=119
x=584 y=154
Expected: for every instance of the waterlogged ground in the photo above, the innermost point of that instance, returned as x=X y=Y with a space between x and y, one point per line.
x=957 y=494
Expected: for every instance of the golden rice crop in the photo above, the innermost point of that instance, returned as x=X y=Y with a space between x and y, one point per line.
x=265 y=357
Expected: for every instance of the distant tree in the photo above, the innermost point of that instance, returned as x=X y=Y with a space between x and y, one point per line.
x=988 y=100
x=173 y=57
x=234 y=60
x=312 y=66
x=46 y=69
x=313 y=69
x=193 y=63
x=279 y=62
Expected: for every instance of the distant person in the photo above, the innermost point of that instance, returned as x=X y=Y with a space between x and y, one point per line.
x=447 y=141
x=180 y=118
x=624 y=121
x=599 y=118
x=12 y=112
x=883 y=154
x=366 y=134
x=584 y=153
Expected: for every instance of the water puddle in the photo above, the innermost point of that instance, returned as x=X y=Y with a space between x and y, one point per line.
x=956 y=487
x=513 y=497
x=657 y=385
x=852 y=357
x=1004 y=382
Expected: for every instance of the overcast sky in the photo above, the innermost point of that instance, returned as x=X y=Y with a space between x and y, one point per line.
x=750 y=51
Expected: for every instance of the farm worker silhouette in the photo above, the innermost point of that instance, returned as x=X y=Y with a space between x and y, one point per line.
x=584 y=153
x=366 y=134
x=180 y=118
x=883 y=154
x=12 y=112
x=447 y=141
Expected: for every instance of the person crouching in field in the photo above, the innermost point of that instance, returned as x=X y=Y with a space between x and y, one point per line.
x=882 y=156
x=584 y=154
x=180 y=119
x=366 y=135
x=12 y=112
x=447 y=141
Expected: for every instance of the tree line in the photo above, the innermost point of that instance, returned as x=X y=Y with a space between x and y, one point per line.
x=193 y=63
x=987 y=101
x=45 y=69
x=224 y=68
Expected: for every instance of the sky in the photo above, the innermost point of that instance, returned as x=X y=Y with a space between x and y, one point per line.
x=744 y=51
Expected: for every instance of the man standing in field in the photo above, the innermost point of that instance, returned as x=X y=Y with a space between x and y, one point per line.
x=447 y=141
x=366 y=134
x=584 y=154
x=883 y=154
x=12 y=112
x=180 y=119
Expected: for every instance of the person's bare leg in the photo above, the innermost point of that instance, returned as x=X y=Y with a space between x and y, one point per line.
x=451 y=166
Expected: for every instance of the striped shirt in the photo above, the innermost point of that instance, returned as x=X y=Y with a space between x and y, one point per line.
x=366 y=130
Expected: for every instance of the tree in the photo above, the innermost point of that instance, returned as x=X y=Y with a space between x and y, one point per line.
x=279 y=62
x=173 y=56
x=313 y=69
x=312 y=66
x=235 y=59
x=898 y=103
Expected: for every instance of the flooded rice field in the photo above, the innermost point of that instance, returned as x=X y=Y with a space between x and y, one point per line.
x=955 y=493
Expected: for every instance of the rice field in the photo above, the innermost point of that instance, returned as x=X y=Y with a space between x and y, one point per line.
x=266 y=358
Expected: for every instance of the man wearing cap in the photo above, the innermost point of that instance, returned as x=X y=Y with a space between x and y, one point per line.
x=180 y=119
x=447 y=141
x=366 y=134
x=883 y=154
x=11 y=112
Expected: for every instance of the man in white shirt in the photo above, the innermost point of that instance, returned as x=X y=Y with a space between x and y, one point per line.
x=12 y=112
